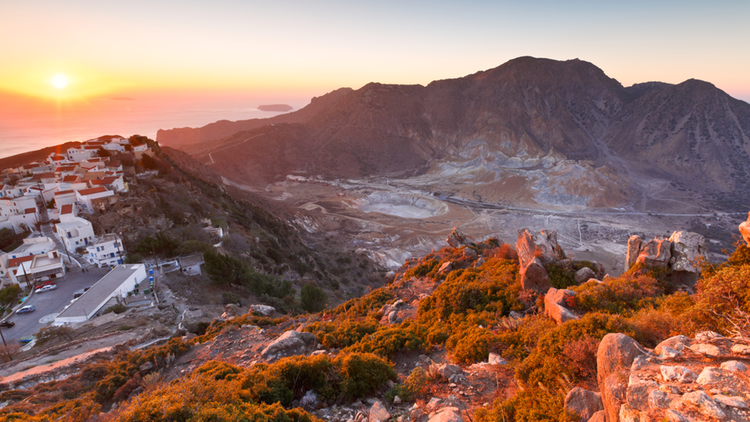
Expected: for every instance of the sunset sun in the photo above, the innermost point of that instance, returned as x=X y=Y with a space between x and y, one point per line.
x=59 y=81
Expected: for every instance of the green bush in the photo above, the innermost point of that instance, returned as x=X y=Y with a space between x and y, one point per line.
x=342 y=334
x=231 y=297
x=363 y=374
x=313 y=298
x=618 y=295
x=536 y=404
x=117 y=308
x=412 y=388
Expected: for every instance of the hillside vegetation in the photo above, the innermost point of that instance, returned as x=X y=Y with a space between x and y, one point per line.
x=474 y=309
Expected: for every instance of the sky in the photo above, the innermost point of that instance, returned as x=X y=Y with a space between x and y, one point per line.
x=305 y=48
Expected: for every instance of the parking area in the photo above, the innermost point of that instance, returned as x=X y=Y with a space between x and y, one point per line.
x=49 y=304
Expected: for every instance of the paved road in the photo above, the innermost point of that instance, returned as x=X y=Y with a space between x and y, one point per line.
x=51 y=303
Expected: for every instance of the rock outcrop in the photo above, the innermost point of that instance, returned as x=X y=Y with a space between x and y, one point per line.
x=684 y=379
x=533 y=252
x=679 y=255
x=614 y=358
x=745 y=229
x=457 y=238
x=289 y=344
x=555 y=305
x=688 y=249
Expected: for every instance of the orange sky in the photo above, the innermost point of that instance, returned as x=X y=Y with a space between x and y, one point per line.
x=303 y=48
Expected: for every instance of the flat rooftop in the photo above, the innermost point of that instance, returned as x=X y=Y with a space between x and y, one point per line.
x=100 y=291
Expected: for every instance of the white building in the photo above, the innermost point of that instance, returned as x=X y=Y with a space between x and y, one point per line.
x=98 y=198
x=107 y=251
x=117 y=283
x=75 y=232
x=79 y=154
x=10 y=262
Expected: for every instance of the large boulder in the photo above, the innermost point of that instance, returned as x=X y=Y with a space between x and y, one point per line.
x=535 y=277
x=533 y=252
x=290 y=343
x=585 y=274
x=745 y=229
x=614 y=357
x=583 y=402
x=655 y=253
x=687 y=249
x=555 y=305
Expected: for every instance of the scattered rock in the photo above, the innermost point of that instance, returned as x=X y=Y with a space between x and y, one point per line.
x=446 y=268
x=309 y=400
x=264 y=310
x=146 y=368
x=449 y=371
x=677 y=373
x=231 y=310
x=705 y=404
x=734 y=366
x=554 y=305
x=583 y=402
x=434 y=402
x=677 y=343
x=470 y=254
x=669 y=353
x=289 y=344
x=396 y=400
x=446 y=415
x=706 y=336
x=378 y=412
x=741 y=349
x=479 y=262
x=584 y=274
x=495 y=359
x=706 y=349
x=737 y=402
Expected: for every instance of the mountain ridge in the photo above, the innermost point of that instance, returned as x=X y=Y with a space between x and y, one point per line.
x=534 y=117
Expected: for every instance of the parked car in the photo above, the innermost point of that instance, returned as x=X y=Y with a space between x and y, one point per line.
x=25 y=340
x=44 y=283
x=46 y=288
x=7 y=324
x=26 y=309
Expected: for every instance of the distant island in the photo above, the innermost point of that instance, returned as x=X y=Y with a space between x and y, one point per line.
x=275 y=107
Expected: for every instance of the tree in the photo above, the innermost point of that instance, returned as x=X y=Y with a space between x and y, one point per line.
x=101 y=152
x=149 y=162
x=313 y=298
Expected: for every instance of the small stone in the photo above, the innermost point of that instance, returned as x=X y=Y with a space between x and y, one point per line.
x=741 y=349
x=675 y=416
x=378 y=413
x=639 y=362
x=708 y=336
x=397 y=400
x=709 y=375
x=495 y=359
x=728 y=401
x=705 y=404
x=734 y=366
x=706 y=349
x=433 y=403
x=677 y=373
x=446 y=415
x=668 y=352
x=657 y=399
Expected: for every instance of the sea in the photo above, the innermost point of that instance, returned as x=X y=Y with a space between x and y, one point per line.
x=26 y=128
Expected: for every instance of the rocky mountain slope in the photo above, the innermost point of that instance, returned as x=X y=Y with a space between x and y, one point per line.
x=532 y=131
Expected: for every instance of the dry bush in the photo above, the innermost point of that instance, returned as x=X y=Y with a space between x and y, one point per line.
x=582 y=355
x=7 y=352
x=653 y=326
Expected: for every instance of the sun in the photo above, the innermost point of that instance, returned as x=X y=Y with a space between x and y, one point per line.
x=59 y=81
